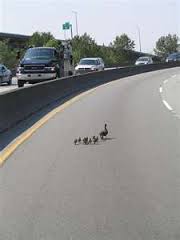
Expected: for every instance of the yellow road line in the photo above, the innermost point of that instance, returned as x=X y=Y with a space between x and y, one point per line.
x=8 y=151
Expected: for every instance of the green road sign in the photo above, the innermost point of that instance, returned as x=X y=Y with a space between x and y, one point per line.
x=66 y=26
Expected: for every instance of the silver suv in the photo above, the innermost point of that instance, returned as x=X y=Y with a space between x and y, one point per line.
x=144 y=61
x=89 y=65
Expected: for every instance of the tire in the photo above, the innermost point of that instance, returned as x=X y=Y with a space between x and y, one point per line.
x=10 y=81
x=55 y=77
x=20 y=84
x=70 y=73
x=58 y=75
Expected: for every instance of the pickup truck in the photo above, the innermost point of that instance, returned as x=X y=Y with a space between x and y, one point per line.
x=39 y=64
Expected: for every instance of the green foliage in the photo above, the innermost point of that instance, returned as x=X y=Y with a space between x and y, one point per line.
x=123 y=42
x=40 y=39
x=166 y=45
x=7 y=55
x=84 y=46
x=123 y=48
x=53 y=43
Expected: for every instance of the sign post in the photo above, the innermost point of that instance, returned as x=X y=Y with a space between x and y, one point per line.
x=67 y=26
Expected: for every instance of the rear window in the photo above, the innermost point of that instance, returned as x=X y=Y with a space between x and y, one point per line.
x=88 y=62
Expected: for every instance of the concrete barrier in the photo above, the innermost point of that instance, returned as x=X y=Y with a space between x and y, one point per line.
x=20 y=104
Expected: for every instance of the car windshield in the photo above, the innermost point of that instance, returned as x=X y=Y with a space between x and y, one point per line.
x=88 y=62
x=39 y=53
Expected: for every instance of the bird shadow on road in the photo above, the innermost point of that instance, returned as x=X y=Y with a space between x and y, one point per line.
x=109 y=139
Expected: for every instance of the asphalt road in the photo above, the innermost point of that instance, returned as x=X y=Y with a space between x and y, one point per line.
x=127 y=187
x=170 y=91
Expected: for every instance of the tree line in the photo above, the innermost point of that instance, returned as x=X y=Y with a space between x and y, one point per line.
x=120 y=51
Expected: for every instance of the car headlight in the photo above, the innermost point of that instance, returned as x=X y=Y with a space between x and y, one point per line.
x=50 y=69
x=93 y=68
x=19 y=69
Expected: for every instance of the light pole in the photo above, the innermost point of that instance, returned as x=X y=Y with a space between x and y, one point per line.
x=139 y=36
x=2 y=15
x=76 y=13
x=71 y=31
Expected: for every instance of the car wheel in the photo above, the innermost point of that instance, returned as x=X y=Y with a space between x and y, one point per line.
x=70 y=73
x=56 y=76
x=10 y=81
x=20 y=84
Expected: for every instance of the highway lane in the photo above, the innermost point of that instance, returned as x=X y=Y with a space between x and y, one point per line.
x=170 y=91
x=124 y=188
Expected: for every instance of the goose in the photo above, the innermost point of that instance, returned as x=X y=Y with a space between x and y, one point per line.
x=104 y=133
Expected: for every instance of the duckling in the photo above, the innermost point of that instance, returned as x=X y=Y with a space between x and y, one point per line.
x=75 y=142
x=85 y=140
x=79 y=140
x=95 y=139
x=103 y=133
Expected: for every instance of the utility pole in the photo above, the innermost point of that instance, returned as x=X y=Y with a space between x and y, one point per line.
x=71 y=31
x=76 y=14
x=139 y=36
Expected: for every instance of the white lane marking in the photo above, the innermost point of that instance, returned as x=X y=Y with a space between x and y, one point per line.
x=166 y=81
x=167 y=105
x=174 y=76
x=160 y=90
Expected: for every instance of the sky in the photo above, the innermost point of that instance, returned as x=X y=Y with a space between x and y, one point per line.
x=101 y=19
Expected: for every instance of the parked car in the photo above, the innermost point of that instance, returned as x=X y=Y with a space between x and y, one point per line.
x=5 y=75
x=144 y=61
x=174 y=57
x=89 y=65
